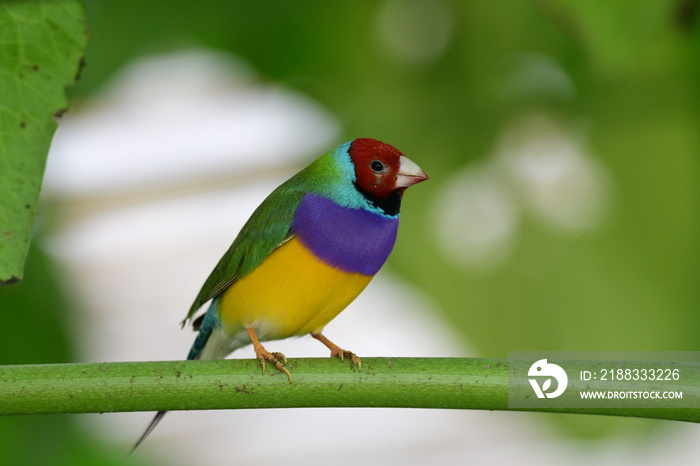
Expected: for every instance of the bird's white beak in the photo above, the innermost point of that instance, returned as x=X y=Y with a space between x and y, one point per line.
x=409 y=173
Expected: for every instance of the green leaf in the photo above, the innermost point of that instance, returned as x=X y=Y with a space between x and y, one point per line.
x=41 y=49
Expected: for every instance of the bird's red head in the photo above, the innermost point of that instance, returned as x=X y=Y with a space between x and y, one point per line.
x=382 y=171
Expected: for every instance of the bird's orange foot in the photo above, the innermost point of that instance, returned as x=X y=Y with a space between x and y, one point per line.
x=264 y=355
x=337 y=351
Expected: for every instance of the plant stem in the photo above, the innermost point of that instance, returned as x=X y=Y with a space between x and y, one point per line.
x=447 y=383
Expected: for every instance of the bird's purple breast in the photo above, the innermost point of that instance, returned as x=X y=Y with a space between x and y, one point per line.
x=352 y=240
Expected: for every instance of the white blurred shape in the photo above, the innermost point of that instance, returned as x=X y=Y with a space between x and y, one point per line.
x=539 y=168
x=181 y=116
x=553 y=175
x=414 y=32
x=475 y=219
x=535 y=76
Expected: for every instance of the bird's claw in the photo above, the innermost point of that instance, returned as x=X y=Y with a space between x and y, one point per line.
x=342 y=354
x=264 y=355
x=280 y=356
x=337 y=351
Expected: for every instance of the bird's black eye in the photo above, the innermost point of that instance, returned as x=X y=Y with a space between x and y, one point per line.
x=377 y=166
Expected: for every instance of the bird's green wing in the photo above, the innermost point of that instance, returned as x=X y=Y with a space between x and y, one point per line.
x=266 y=230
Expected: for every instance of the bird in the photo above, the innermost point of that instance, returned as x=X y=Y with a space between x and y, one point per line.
x=308 y=250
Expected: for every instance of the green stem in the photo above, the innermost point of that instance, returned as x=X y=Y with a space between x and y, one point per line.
x=451 y=383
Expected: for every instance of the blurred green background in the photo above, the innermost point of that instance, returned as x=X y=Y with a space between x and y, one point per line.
x=593 y=250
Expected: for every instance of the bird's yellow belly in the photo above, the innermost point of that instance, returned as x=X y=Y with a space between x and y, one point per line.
x=291 y=293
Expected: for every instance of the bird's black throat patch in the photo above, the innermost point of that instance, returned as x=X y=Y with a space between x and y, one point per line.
x=390 y=205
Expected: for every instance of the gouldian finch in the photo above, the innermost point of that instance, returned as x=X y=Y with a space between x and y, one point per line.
x=306 y=253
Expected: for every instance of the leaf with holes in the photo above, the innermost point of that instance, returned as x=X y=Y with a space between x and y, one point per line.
x=41 y=50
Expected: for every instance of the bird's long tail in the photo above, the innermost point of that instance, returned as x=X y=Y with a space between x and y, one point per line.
x=205 y=325
x=154 y=422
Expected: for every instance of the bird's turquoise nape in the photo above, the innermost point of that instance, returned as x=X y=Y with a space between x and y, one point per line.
x=304 y=255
